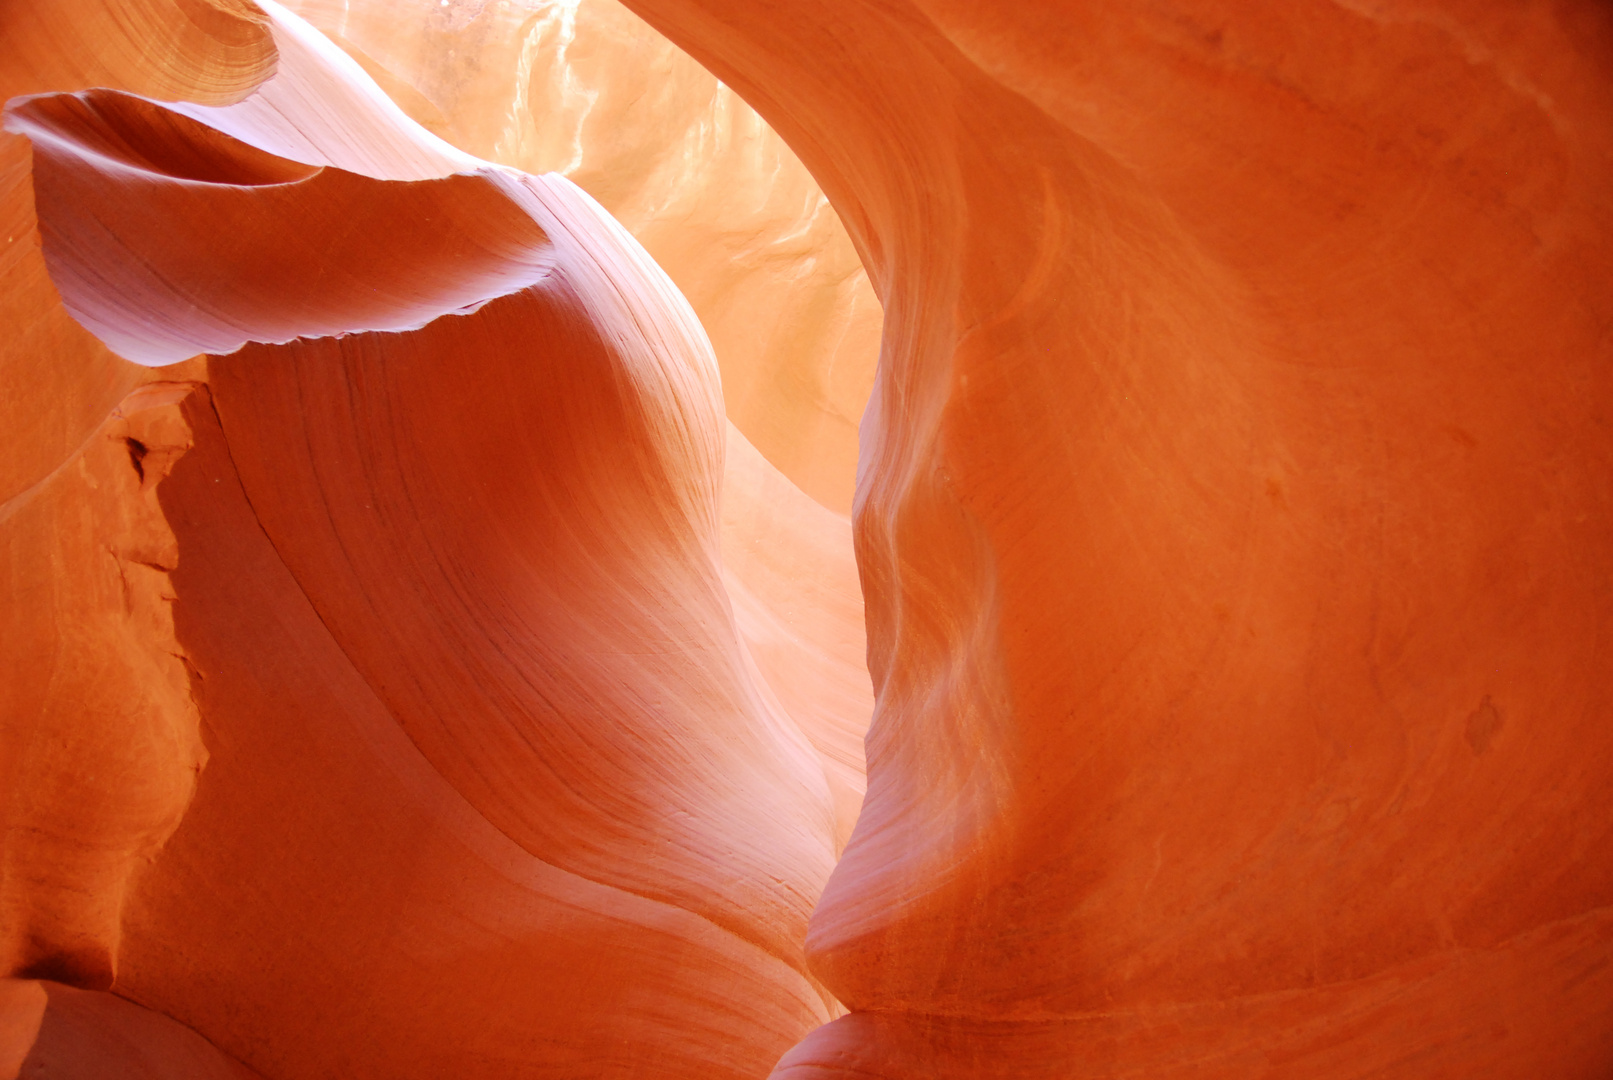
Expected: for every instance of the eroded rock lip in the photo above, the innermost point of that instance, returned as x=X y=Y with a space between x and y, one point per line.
x=219 y=237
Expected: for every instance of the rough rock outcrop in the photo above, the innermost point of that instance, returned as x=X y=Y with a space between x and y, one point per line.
x=1234 y=526
x=100 y=740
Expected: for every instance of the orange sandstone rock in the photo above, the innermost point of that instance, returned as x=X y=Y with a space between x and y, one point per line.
x=22 y=1011
x=209 y=51
x=1233 y=514
x=333 y=903
x=789 y=572
x=98 y=740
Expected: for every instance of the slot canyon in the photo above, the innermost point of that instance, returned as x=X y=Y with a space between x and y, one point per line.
x=862 y=540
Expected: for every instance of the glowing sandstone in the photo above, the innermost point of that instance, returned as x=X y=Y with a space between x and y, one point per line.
x=788 y=568
x=585 y=88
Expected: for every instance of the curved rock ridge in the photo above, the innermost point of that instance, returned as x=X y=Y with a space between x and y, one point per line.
x=110 y=168
x=1233 y=528
x=321 y=108
x=559 y=645
x=494 y=781
x=332 y=903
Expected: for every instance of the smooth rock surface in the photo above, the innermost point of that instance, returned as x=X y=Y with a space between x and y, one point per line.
x=788 y=568
x=1234 y=527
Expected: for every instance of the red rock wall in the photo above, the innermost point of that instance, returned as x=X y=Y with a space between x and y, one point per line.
x=101 y=746
x=98 y=740
x=86 y=639
x=1234 y=528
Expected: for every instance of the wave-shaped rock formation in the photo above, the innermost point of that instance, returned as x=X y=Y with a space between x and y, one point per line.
x=375 y=702
x=414 y=674
x=586 y=89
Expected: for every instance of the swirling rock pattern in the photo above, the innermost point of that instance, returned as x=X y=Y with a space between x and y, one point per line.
x=494 y=783
x=209 y=51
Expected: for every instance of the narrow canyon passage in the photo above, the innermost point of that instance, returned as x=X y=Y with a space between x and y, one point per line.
x=449 y=572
